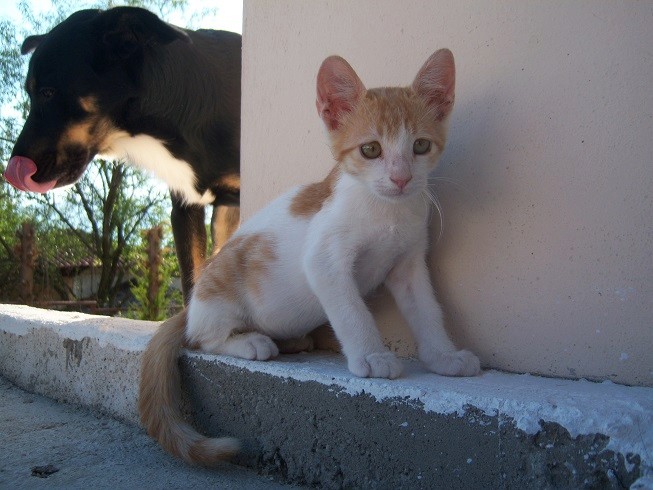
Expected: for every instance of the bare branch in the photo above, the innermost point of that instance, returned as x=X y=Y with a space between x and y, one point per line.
x=67 y=222
x=90 y=214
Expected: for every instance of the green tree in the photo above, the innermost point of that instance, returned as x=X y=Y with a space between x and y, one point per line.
x=12 y=109
x=116 y=202
x=160 y=301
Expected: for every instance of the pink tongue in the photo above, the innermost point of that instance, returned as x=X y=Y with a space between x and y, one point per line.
x=19 y=174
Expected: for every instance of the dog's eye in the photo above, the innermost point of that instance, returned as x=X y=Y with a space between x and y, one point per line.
x=46 y=92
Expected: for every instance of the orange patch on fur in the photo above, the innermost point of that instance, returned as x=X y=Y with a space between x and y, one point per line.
x=254 y=256
x=239 y=268
x=310 y=198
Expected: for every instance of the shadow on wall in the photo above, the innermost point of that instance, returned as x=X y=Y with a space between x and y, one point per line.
x=471 y=182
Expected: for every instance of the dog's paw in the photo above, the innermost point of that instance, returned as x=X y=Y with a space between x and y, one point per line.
x=376 y=365
x=252 y=345
x=458 y=363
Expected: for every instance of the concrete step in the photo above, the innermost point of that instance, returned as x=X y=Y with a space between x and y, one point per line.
x=305 y=419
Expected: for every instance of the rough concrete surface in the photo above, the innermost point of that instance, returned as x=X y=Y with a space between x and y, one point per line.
x=52 y=445
x=305 y=419
x=320 y=435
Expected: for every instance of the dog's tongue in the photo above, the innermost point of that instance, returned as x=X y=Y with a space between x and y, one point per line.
x=19 y=174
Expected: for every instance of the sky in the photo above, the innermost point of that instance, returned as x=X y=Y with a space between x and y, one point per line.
x=229 y=13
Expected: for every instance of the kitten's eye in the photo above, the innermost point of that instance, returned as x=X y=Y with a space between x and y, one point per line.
x=371 y=150
x=421 y=146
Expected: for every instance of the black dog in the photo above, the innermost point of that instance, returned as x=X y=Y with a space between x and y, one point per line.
x=125 y=84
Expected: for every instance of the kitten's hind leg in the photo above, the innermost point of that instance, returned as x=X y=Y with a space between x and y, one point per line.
x=216 y=327
x=294 y=346
x=250 y=345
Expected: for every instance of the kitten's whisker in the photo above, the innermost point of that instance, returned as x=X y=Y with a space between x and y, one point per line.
x=442 y=178
x=431 y=196
x=427 y=205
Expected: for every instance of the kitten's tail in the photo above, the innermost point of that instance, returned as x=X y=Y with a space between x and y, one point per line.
x=159 y=402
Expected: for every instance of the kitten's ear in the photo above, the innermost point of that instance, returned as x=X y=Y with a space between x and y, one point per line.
x=436 y=82
x=338 y=90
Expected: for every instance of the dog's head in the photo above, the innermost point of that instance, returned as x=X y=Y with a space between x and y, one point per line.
x=82 y=75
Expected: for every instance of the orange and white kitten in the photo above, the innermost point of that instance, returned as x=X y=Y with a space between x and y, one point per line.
x=315 y=253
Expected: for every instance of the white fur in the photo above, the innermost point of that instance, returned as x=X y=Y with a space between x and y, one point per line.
x=151 y=154
x=324 y=268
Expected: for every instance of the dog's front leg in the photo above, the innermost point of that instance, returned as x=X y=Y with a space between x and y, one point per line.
x=189 y=232
x=224 y=223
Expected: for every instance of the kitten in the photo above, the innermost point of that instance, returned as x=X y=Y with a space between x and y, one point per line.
x=315 y=253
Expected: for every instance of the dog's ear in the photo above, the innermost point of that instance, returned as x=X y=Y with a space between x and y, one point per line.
x=31 y=43
x=129 y=29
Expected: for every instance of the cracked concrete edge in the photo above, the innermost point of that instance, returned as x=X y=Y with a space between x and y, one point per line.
x=328 y=437
x=94 y=361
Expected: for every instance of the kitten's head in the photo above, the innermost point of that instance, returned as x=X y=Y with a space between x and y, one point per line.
x=390 y=138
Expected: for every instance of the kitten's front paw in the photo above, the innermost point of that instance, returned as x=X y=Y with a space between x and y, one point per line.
x=458 y=363
x=376 y=365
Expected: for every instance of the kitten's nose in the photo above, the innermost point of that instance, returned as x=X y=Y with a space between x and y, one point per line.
x=401 y=183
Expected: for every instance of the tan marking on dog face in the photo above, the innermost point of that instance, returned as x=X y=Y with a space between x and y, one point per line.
x=78 y=134
x=89 y=104
x=91 y=133
x=239 y=268
x=310 y=198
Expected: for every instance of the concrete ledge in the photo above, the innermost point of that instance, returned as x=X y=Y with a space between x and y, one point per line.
x=305 y=418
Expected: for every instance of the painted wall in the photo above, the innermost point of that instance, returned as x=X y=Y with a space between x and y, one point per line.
x=546 y=260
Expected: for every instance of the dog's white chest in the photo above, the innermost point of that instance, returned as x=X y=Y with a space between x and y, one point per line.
x=150 y=154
